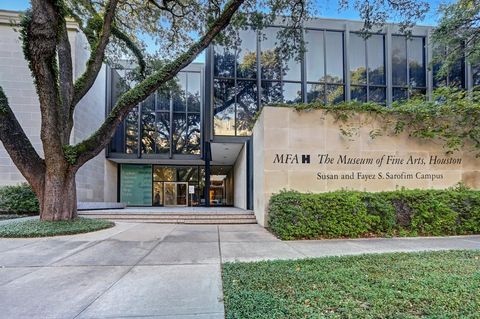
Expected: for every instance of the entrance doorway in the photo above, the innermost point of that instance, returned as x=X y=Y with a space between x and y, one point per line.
x=175 y=194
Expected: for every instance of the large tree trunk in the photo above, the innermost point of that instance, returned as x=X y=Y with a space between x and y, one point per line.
x=59 y=195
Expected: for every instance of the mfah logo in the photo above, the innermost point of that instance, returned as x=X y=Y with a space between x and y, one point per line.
x=291 y=159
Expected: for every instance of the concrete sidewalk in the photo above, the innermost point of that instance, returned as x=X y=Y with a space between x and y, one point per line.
x=155 y=270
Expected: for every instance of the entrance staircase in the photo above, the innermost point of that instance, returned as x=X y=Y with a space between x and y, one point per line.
x=175 y=215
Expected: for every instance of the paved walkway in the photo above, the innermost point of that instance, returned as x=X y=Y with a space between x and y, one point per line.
x=155 y=270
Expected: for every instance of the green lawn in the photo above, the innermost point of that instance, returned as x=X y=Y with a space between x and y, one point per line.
x=399 y=285
x=37 y=228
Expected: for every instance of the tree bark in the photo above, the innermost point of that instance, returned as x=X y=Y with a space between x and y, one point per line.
x=59 y=195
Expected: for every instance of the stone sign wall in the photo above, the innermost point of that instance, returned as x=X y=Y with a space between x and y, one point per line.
x=306 y=151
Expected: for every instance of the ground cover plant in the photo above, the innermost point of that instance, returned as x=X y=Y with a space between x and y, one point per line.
x=293 y=215
x=400 y=285
x=38 y=228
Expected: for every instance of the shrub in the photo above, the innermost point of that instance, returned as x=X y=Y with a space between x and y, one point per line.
x=294 y=215
x=18 y=199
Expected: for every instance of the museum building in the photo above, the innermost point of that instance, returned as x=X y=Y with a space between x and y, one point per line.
x=192 y=144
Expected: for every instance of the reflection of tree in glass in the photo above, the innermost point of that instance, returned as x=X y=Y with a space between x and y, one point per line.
x=359 y=75
x=247 y=67
x=241 y=101
x=179 y=132
x=399 y=66
x=162 y=139
x=335 y=94
x=187 y=174
x=246 y=106
x=164 y=173
x=271 y=92
x=417 y=74
x=272 y=65
x=148 y=133
x=192 y=138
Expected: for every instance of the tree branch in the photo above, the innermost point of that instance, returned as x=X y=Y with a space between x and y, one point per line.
x=66 y=80
x=93 y=145
x=19 y=146
x=115 y=31
x=94 y=63
x=40 y=38
x=132 y=46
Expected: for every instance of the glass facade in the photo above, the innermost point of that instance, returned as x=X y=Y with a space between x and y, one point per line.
x=235 y=85
x=409 y=68
x=325 y=66
x=161 y=185
x=367 y=68
x=455 y=76
x=338 y=64
x=169 y=121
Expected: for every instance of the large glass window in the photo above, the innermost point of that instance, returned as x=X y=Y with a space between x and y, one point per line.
x=358 y=59
x=416 y=62
x=399 y=61
x=274 y=66
x=334 y=57
x=246 y=106
x=281 y=76
x=235 y=96
x=315 y=56
x=454 y=77
x=131 y=132
x=367 y=68
x=224 y=107
x=169 y=120
x=324 y=66
x=408 y=67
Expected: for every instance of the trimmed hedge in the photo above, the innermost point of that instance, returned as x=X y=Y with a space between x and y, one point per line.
x=18 y=199
x=340 y=214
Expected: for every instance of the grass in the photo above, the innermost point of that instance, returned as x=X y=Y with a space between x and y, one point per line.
x=400 y=285
x=37 y=228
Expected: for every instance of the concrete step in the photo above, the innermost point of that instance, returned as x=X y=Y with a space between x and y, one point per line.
x=198 y=218
x=189 y=221
x=128 y=217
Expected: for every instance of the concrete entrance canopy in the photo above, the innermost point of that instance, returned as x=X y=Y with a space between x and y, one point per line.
x=225 y=153
x=306 y=151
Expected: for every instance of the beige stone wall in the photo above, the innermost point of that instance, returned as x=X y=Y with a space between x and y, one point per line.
x=283 y=135
x=240 y=179
x=89 y=115
x=260 y=197
x=16 y=81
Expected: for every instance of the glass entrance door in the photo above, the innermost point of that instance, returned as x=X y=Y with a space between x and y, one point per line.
x=175 y=194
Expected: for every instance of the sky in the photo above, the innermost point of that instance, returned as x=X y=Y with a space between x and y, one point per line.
x=327 y=9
